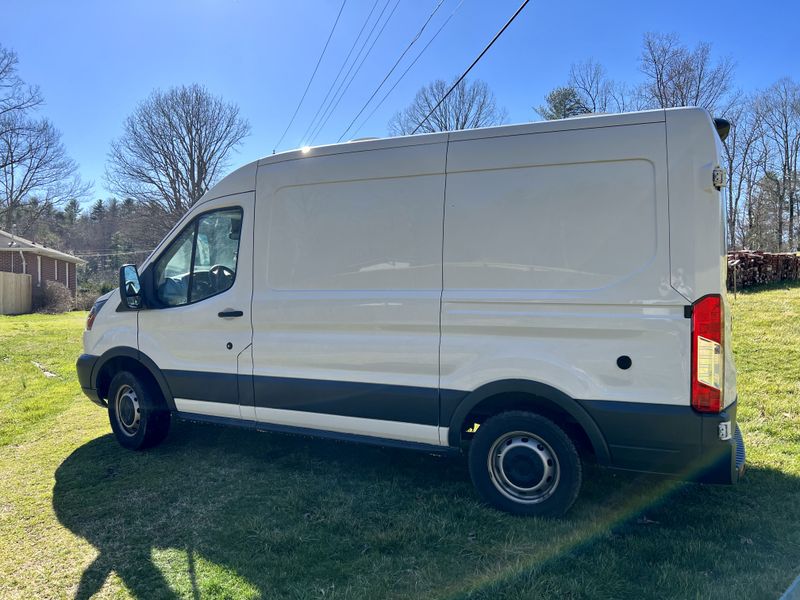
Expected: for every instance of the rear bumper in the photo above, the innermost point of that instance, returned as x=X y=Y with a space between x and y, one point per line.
x=670 y=440
x=85 y=367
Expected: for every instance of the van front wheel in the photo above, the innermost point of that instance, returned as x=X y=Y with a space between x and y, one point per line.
x=134 y=409
x=525 y=464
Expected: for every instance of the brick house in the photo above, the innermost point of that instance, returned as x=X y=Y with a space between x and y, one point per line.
x=18 y=255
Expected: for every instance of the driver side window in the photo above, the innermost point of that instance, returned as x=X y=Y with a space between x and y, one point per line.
x=201 y=261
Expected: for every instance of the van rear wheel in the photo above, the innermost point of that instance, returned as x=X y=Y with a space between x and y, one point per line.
x=136 y=412
x=525 y=464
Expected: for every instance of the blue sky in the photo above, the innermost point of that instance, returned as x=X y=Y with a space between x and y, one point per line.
x=94 y=61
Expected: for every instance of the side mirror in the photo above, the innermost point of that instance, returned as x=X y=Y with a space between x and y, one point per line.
x=130 y=290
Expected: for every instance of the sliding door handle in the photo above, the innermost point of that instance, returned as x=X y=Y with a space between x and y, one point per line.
x=230 y=313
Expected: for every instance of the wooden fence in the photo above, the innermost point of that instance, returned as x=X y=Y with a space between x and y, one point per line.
x=15 y=293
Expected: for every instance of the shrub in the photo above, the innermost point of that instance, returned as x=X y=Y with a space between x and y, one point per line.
x=51 y=297
x=85 y=300
x=90 y=291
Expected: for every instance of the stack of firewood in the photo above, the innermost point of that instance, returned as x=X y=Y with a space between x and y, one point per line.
x=749 y=268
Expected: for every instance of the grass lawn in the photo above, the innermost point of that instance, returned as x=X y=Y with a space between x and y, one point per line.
x=226 y=513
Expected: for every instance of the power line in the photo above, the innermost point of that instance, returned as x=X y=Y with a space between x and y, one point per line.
x=413 y=62
x=336 y=97
x=299 y=104
x=394 y=66
x=358 y=69
x=347 y=58
x=474 y=62
x=118 y=253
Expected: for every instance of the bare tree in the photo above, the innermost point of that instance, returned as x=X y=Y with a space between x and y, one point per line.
x=589 y=89
x=174 y=147
x=590 y=80
x=744 y=157
x=34 y=170
x=601 y=94
x=778 y=109
x=469 y=105
x=758 y=213
x=678 y=76
x=16 y=98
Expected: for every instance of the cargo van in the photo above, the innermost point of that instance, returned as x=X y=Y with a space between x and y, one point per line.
x=534 y=296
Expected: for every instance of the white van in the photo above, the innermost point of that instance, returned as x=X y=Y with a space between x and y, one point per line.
x=532 y=295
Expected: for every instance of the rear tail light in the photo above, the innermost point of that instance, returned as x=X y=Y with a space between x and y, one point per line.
x=708 y=358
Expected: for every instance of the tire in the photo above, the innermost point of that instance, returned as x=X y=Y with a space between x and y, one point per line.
x=524 y=464
x=136 y=411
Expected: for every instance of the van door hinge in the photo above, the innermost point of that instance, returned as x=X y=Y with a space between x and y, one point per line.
x=719 y=177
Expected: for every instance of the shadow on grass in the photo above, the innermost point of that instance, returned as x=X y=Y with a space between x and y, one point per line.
x=237 y=498
x=277 y=516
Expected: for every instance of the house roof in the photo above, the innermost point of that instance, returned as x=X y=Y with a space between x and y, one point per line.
x=14 y=243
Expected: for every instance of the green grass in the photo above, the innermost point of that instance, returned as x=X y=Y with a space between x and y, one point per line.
x=225 y=513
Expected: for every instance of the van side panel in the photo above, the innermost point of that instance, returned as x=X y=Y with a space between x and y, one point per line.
x=346 y=296
x=697 y=218
x=556 y=263
x=522 y=211
x=696 y=210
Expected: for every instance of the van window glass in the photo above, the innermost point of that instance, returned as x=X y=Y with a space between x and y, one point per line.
x=216 y=253
x=173 y=268
x=201 y=261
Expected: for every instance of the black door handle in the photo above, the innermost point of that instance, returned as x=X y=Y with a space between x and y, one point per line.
x=230 y=313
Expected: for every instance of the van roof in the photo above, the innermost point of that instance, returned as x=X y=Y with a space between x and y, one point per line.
x=582 y=122
x=244 y=177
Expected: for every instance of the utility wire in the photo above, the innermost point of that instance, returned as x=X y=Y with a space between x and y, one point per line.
x=347 y=79
x=319 y=60
x=103 y=254
x=413 y=62
x=394 y=66
x=358 y=69
x=474 y=62
x=347 y=58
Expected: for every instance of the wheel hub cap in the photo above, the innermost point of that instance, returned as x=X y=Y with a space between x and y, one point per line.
x=523 y=467
x=128 y=410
